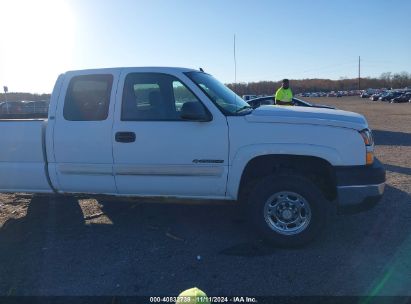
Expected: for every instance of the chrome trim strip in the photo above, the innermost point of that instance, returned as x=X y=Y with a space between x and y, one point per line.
x=169 y=170
x=85 y=169
x=380 y=187
x=126 y=169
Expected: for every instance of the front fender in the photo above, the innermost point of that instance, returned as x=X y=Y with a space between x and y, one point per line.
x=246 y=153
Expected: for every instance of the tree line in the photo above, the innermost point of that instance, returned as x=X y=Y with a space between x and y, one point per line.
x=387 y=80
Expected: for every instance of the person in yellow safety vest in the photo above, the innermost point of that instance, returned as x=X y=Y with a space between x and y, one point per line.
x=284 y=95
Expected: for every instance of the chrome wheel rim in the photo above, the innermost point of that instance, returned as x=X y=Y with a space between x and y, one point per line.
x=287 y=213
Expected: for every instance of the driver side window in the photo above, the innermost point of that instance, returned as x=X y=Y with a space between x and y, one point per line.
x=154 y=97
x=182 y=95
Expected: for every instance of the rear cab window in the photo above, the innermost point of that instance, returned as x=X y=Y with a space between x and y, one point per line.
x=88 y=98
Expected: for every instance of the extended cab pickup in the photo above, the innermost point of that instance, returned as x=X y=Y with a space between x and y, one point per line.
x=174 y=132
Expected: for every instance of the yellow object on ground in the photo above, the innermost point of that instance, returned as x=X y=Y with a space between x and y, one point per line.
x=193 y=296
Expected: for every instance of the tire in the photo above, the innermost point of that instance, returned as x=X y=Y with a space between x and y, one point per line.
x=287 y=210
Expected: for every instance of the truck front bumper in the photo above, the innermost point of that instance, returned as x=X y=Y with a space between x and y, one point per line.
x=359 y=188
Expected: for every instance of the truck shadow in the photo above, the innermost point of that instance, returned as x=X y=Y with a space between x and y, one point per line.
x=398 y=169
x=131 y=248
x=391 y=138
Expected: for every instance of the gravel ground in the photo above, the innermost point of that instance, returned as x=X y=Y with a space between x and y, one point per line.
x=81 y=246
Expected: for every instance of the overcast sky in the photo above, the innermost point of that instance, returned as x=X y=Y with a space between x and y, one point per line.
x=275 y=39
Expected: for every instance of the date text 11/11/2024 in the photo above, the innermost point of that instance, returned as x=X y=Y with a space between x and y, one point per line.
x=203 y=299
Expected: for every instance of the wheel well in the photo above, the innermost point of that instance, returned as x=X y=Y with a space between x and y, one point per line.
x=318 y=170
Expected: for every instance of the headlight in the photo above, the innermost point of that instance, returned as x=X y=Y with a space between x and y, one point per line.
x=366 y=135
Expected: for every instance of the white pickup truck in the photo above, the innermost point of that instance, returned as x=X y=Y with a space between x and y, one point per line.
x=175 y=132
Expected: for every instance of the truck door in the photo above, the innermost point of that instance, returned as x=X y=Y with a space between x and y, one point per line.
x=156 y=151
x=83 y=158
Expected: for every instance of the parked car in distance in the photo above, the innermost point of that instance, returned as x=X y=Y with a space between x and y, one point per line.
x=376 y=96
x=402 y=98
x=36 y=107
x=389 y=95
x=248 y=97
x=270 y=100
x=259 y=101
x=24 y=109
x=11 y=107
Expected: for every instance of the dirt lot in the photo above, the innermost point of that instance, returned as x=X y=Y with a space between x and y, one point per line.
x=80 y=246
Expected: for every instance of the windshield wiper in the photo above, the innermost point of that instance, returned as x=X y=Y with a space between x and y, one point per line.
x=244 y=108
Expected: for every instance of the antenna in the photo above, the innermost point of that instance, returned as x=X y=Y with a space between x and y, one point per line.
x=235 y=65
x=359 y=72
x=235 y=75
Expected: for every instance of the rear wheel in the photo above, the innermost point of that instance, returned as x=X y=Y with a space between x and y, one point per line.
x=288 y=210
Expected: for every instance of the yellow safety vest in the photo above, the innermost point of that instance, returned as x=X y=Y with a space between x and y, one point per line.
x=284 y=95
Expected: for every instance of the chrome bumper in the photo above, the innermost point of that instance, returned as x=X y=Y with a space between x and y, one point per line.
x=359 y=188
x=358 y=194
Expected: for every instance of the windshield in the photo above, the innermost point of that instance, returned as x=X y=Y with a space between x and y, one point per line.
x=225 y=99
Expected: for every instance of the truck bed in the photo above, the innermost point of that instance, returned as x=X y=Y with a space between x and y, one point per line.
x=22 y=160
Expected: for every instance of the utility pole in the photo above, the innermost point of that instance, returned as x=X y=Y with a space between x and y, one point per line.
x=359 y=72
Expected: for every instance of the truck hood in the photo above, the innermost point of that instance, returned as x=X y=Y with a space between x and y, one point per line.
x=308 y=115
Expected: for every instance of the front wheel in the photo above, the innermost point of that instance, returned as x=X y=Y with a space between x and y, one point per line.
x=287 y=210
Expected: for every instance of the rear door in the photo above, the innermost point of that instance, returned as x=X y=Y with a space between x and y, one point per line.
x=158 y=153
x=83 y=158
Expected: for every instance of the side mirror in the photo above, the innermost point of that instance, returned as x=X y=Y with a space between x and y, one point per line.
x=194 y=111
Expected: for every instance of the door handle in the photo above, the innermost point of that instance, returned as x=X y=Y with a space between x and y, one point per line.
x=125 y=137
